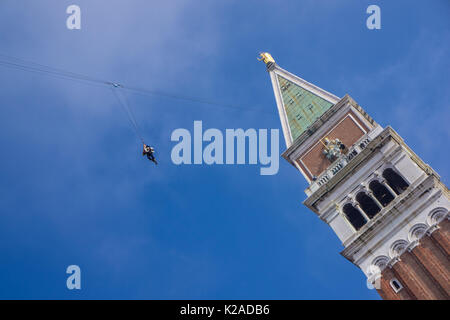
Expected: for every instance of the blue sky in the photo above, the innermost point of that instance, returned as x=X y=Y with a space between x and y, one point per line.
x=74 y=188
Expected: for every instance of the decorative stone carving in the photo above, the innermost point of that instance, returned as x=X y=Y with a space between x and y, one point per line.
x=417 y=231
x=397 y=248
x=436 y=216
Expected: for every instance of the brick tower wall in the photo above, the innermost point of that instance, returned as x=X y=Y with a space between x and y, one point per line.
x=424 y=271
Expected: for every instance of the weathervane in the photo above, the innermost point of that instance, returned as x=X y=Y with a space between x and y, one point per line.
x=268 y=60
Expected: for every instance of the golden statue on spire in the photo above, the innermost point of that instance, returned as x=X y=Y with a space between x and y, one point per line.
x=266 y=57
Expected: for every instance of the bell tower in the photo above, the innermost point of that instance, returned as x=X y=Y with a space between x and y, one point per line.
x=388 y=208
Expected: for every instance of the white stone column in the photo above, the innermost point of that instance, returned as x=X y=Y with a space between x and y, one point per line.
x=357 y=206
x=384 y=183
x=372 y=196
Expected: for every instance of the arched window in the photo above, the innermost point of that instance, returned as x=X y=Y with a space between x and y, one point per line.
x=381 y=193
x=395 y=181
x=396 y=285
x=354 y=216
x=368 y=205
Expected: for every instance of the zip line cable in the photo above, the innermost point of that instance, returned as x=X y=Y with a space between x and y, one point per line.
x=50 y=70
x=34 y=67
x=148 y=92
x=43 y=72
x=77 y=77
x=116 y=88
x=126 y=107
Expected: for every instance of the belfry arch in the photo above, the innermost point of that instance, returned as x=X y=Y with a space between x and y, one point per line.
x=367 y=204
x=383 y=195
x=395 y=181
x=354 y=216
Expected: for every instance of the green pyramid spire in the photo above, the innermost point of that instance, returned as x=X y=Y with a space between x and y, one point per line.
x=302 y=107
